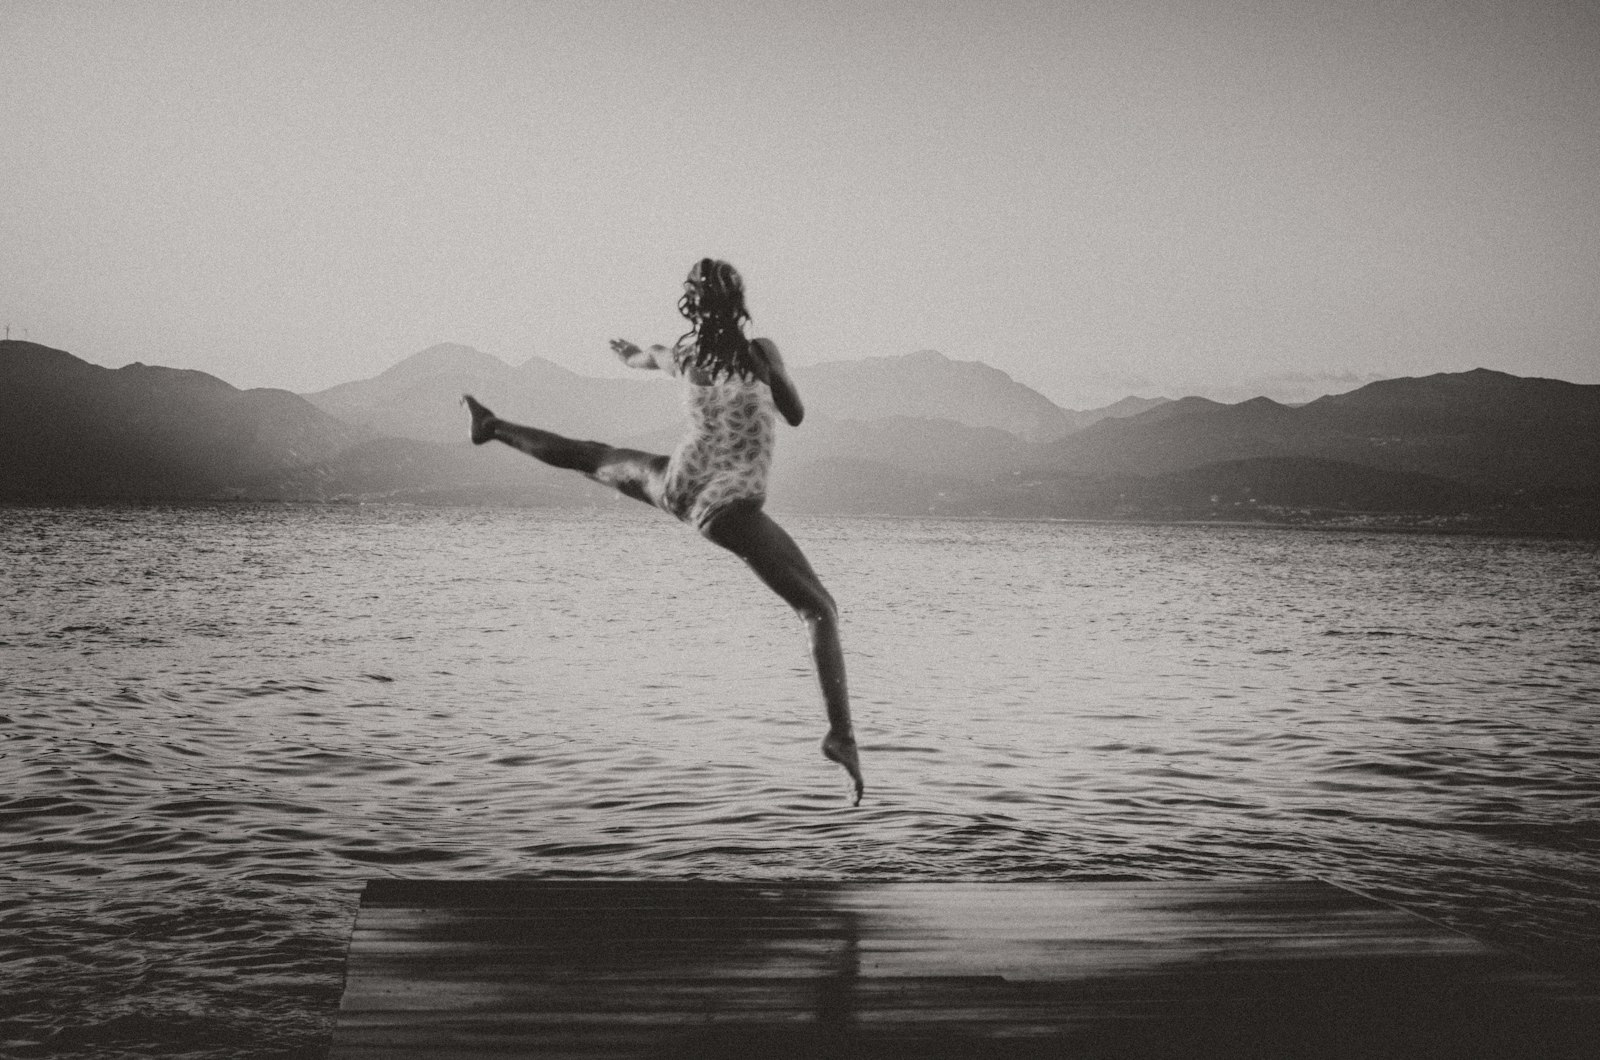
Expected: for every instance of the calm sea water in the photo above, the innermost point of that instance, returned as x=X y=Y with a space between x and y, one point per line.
x=216 y=722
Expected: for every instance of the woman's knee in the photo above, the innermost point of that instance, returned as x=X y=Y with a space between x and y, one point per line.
x=818 y=609
x=630 y=473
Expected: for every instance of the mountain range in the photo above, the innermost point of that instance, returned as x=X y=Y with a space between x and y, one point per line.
x=70 y=429
x=907 y=435
x=405 y=400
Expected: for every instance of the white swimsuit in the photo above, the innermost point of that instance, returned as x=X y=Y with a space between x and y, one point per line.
x=726 y=454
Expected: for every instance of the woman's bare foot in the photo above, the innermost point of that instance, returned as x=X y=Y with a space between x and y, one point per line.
x=483 y=420
x=842 y=749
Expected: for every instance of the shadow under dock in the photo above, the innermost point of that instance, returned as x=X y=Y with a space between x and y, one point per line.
x=583 y=968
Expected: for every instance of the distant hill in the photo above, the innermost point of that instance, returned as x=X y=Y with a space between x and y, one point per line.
x=1475 y=449
x=1495 y=448
x=417 y=398
x=70 y=429
x=1128 y=406
x=420 y=398
x=881 y=435
x=1488 y=430
x=1183 y=434
x=929 y=385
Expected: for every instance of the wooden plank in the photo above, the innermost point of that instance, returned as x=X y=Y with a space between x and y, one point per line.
x=706 y=969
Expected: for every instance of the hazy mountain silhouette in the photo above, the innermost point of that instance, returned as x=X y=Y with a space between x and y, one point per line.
x=1477 y=448
x=1488 y=430
x=70 y=429
x=877 y=434
x=1504 y=450
x=1128 y=406
x=417 y=397
x=929 y=385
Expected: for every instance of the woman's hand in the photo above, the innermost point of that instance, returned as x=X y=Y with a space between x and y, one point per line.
x=657 y=357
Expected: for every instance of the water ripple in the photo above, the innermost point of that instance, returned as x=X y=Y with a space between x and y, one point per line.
x=221 y=720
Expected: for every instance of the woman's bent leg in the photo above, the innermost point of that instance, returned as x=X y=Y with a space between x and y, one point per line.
x=631 y=472
x=752 y=535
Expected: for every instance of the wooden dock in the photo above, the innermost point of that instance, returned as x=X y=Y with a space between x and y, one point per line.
x=695 y=969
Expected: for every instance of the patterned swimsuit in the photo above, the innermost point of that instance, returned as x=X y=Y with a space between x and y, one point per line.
x=727 y=452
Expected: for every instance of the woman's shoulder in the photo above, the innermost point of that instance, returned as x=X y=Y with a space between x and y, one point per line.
x=685 y=356
x=765 y=357
x=679 y=360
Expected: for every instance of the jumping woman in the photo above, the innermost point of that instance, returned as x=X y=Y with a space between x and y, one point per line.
x=716 y=479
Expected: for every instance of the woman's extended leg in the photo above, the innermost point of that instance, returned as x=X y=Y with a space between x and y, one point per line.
x=631 y=472
x=750 y=533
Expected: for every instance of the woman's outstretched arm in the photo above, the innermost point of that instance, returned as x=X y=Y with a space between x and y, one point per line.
x=776 y=376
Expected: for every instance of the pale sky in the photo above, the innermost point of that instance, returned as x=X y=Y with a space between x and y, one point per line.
x=1102 y=198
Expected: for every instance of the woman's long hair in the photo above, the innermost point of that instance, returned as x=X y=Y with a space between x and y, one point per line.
x=713 y=303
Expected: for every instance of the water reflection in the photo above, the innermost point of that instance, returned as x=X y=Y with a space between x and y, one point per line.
x=701 y=969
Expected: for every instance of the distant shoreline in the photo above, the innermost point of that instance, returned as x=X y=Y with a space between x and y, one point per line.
x=1384 y=526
